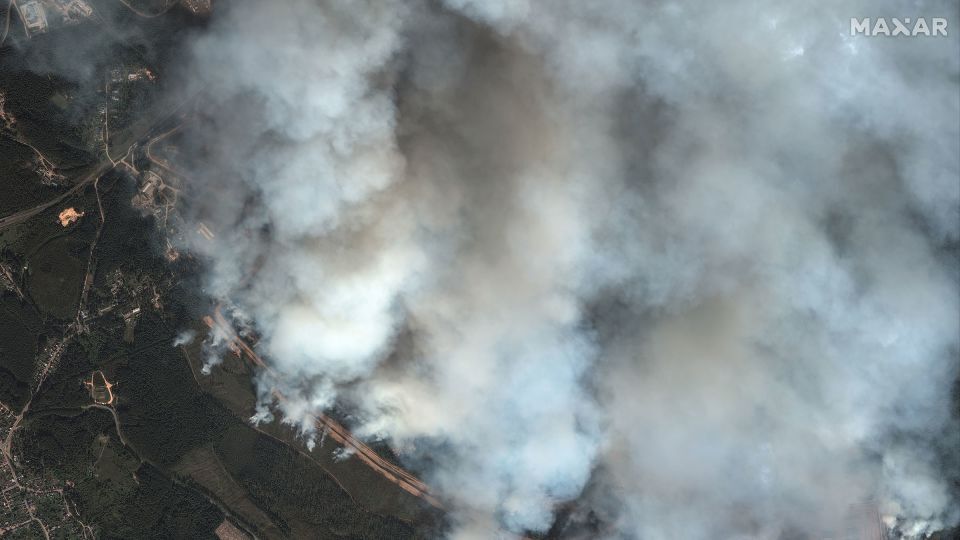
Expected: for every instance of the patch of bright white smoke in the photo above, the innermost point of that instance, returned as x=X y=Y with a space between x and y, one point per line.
x=690 y=254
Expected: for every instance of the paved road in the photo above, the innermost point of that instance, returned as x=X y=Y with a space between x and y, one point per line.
x=134 y=136
x=24 y=215
x=6 y=27
x=388 y=470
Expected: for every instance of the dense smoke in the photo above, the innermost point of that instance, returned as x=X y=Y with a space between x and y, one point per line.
x=691 y=266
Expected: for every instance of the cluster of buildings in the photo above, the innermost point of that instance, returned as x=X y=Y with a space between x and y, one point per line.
x=38 y=14
x=129 y=294
x=73 y=9
x=155 y=197
x=32 y=507
x=197 y=7
x=126 y=84
x=130 y=73
x=8 y=282
x=35 y=14
x=7 y=120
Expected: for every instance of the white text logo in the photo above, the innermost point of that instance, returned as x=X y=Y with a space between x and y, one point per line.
x=882 y=26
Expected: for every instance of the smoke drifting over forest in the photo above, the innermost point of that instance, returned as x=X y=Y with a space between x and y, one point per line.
x=693 y=266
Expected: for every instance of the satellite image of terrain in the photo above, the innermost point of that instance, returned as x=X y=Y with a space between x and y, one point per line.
x=479 y=269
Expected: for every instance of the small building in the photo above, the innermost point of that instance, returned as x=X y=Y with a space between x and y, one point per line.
x=34 y=17
x=82 y=8
x=70 y=8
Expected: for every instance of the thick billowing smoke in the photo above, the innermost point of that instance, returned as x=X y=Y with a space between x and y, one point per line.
x=693 y=266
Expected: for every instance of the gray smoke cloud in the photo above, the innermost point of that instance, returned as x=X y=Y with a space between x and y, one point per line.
x=691 y=266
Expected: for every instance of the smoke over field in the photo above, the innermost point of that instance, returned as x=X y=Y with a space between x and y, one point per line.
x=689 y=267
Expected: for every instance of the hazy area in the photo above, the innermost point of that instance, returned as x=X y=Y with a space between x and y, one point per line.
x=478 y=269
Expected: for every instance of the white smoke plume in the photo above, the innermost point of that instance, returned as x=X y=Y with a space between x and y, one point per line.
x=185 y=337
x=692 y=266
